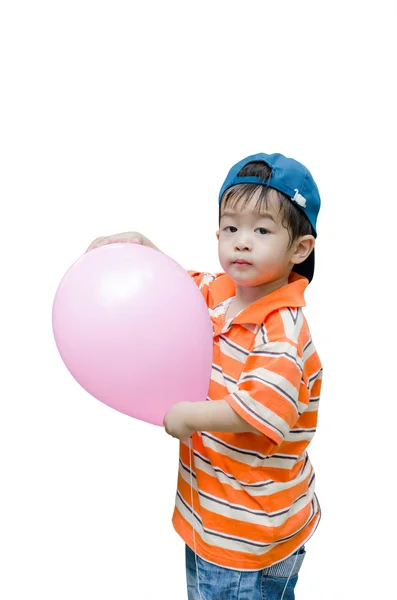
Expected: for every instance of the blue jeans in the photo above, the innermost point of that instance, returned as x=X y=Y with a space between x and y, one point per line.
x=218 y=583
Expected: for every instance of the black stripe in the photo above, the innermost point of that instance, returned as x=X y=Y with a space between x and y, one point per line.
x=268 y=353
x=301 y=430
x=236 y=539
x=220 y=535
x=264 y=336
x=189 y=508
x=247 y=452
x=259 y=417
x=234 y=346
x=219 y=470
x=238 y=450
x=240 y=540
x=272 y=385
x=289 y=537
x=253 y=512
x=304 y=465
x=292 y=315
x=227 y=377
x=190 y=471
x=314 y=376
x=283 y=456
x=242 y=509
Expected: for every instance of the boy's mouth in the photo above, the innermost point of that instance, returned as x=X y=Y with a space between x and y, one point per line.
x=240 y=261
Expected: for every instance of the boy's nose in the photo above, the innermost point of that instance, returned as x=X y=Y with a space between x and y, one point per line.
x=242 y=244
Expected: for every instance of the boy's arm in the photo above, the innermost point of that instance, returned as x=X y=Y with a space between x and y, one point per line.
x=270 y=397
x=132 y=237
x=184 y=418
x=216 y=416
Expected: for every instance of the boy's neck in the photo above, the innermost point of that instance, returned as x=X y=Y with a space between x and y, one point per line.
x=248 y=295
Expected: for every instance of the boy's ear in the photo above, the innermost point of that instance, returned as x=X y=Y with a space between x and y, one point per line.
x=217 y=235
x=303 y=247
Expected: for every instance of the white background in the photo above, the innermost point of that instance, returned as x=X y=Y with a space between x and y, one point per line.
x=127 y=116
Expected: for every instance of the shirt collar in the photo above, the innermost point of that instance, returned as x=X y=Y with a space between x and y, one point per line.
x=290 y=295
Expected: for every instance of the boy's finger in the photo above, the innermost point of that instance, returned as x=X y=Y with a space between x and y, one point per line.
x=95 y=243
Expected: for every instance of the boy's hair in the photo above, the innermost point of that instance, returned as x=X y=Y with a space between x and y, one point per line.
x=292 y=218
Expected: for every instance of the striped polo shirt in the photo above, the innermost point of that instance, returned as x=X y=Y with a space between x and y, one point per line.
x=254 y=502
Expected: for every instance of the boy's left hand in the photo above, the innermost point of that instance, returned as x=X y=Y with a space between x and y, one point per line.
x=175 y=421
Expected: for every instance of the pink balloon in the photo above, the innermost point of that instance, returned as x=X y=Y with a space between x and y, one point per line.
x=133 y=329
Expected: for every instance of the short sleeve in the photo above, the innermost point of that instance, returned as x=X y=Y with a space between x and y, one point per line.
x=271 y=394
x=197 y=277
x=203 y=281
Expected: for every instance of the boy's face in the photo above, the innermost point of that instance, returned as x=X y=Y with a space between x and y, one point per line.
x=254 y=247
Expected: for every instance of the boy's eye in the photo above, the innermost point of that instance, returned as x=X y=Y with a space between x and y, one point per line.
x=231 y=229
x=262 y=230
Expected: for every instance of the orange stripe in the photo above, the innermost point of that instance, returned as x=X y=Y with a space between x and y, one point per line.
x=241 y=560
x=268 y=503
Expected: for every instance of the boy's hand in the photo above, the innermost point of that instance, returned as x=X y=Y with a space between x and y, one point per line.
x=132 y=237
x=175 y=421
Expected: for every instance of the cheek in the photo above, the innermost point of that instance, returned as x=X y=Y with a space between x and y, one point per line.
x=221 y=245
x=222 y=252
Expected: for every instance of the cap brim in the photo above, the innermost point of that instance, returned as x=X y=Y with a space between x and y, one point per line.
x=306 y=269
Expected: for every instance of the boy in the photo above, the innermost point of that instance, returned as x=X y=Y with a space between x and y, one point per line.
x=245 y=501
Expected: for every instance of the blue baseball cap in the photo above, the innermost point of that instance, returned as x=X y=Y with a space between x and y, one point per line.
x=292 y=179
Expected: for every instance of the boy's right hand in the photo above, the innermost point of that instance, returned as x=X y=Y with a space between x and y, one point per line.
x=129 y=237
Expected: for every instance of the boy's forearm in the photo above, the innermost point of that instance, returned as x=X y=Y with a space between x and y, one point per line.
x=121 y=238
x=149 y=244
x=216 y=416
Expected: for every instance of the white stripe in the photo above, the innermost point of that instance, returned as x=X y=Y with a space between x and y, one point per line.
x=275 y=381
x=261 y=488
x=232 y=349
x=313 y=406
x=275 y=349
x=261 y=336
x=292 y=330
x=253 y=459
x=314 y=377
x=207 y=279
x=262 y=415
x=309 y=351
x=237 y=512
x=302 y=407
x=218 y=376
x=215 y=444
